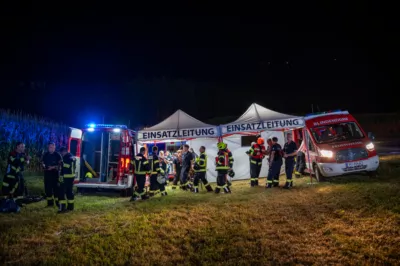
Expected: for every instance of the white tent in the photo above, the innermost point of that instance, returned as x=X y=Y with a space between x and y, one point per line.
x=182 y=127
x=256 y=119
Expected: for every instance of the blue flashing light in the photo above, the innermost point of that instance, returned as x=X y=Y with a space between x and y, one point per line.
x=90 y=129
x=106 y=126
x=321 y=113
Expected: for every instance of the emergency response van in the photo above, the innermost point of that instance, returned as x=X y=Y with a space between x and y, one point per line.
x=334 y=144
x=103 y=154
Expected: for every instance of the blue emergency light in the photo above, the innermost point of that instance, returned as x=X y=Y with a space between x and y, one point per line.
x=92 y=125
x=321 y=113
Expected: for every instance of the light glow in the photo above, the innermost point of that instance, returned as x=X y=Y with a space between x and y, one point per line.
x=370 y=146
x=326 y=153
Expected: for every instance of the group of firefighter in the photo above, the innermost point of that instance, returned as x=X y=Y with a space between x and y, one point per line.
x=59 y=171
x=197 y=168
x=59 y=175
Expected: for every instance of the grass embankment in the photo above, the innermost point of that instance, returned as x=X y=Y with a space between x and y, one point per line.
x=351 y=220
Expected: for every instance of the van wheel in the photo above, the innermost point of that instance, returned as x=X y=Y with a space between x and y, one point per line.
x=318 y=176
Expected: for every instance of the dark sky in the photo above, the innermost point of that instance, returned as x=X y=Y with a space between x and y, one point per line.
x=144 y=68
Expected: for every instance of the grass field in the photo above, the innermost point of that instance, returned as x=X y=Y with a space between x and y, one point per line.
x=350 y=220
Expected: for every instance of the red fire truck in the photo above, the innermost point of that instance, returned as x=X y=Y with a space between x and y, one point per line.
x=335 y=144
x=103 y=154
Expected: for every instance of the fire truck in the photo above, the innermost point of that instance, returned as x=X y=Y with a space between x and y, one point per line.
x=103 y=155
x=333 y=144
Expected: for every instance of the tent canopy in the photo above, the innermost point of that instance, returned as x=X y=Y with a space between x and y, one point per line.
x=258 y=118
x=179 y=125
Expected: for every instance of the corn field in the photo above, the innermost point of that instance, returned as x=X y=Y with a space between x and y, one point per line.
x=32 y=130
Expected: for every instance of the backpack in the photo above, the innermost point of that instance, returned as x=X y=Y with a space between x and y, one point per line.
x=9 y=205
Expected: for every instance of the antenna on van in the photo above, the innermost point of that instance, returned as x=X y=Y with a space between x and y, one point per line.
x=312 y=108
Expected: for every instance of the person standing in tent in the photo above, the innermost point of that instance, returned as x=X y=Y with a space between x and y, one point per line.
x=177 y=167
x=275 y=164
x=156 y=186
x=224 y=164
x=140 y=166
x=257 y=152
x=200 y=169
x=290 y=151
x=187 y=162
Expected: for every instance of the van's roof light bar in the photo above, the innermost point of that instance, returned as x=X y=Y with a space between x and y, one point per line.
x=322 y=113
x=106 y=126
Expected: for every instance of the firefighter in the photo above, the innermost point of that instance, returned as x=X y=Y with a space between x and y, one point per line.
x=200 y=169
x=224 y=164
x=52 y=163
x=257 y=152
x=290 y=151
x=67 y=177
x=155 y=185
x=248 y=153
x=275 y=163
x=177 y=166
x=13 y=181
x=141 y=167
x=187 y=161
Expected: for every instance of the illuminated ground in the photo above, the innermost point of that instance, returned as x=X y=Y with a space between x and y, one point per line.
x=353 y=220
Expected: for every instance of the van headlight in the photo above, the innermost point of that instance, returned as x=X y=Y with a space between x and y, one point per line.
x=326 y=153
x=370 y=146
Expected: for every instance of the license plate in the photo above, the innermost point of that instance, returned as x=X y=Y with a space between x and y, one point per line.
x=354 y=164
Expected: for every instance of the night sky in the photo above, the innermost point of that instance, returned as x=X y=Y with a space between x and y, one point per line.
x=142 y=69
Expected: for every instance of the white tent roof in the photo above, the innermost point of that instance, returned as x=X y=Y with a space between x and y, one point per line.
x=178 y=120
x=177 y=126
x=258 y=118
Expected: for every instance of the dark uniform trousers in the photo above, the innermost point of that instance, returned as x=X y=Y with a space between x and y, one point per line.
x=273 y=173
x=185 y=182
x=51 y=186
x=289 y=167
x=255 y=169
x=201 y=176
x=140 y=182
x=156 y=187
x=176 y=179
x=221 y=182
x=66 y=193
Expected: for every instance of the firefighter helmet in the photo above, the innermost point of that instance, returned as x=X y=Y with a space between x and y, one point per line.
x=221 y=146
x=260 y=141
x=89 y=175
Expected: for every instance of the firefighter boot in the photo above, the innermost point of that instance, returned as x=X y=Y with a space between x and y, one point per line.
x=288 y=184
x=256 y=182
x=252 y=182
x=164 y=193
x=209 y=188
x=62 y=208
x=269 y=184
x=70 y=206
x=217 y=190
x=196 y=190
x=227 y=190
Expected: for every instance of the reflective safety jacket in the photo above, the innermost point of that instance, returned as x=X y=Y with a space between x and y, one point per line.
x=15 y=164
x=140 y=165
x=257 y=151
x=224 y=160
x=201 y=163
x=69 y=164
x=155 y=165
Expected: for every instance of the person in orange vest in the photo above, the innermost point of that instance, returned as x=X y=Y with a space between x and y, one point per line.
x=257 y=152
x=224 y=164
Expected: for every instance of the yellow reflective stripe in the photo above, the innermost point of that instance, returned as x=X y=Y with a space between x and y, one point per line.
x=10 y=176
x=12 y=159
x=70 y=201
x=156 y=161
x=63 y=202
x=66 y=165
x=69 y=175
x=269 y=181
x=146 y=162
x=22 y=160
x=5 y=184
x=141 y=173
x=252 y=161
x=49 y=198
